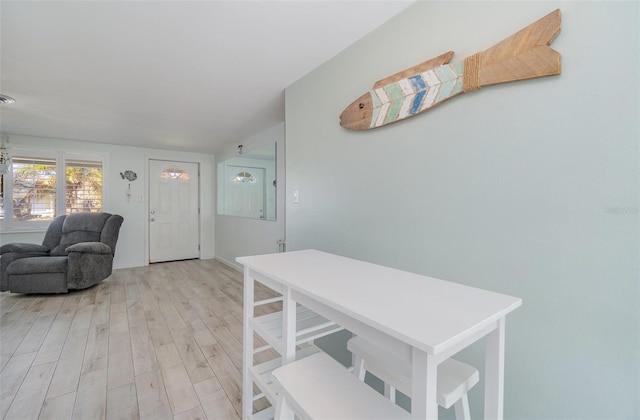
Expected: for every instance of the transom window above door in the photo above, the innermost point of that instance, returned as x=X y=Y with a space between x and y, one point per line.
x=245 y=177
x=175 y=173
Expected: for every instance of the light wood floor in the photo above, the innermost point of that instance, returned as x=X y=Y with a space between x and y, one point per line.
x=157 y=342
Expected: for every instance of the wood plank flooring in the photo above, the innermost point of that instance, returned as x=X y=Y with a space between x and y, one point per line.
x=156 y=342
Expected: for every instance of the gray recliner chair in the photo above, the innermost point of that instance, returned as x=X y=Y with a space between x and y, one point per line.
x=76 y=253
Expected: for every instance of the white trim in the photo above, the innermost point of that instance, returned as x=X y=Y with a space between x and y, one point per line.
x=230 y=264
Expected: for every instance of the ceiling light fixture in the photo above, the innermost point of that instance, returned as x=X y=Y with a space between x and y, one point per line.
x=6 y=100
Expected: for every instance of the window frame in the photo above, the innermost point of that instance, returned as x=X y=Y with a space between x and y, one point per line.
x=10 y=225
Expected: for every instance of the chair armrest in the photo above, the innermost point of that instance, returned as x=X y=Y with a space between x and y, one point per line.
x=22 y=248
x=90 y=247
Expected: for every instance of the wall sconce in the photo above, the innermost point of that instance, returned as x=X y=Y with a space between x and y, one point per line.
x=240 y=149
x=5 y=159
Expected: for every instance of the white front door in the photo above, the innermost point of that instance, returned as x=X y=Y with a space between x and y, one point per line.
x=173 y=211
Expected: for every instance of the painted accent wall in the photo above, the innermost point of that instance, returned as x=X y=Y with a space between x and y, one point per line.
x=132 y=248
x=529 y=189
x=237 y=236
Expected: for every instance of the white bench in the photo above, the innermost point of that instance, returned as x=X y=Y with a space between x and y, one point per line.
x=318 y=387
x=455 y=378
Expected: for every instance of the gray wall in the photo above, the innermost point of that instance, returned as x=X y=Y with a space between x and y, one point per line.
x=529 y=189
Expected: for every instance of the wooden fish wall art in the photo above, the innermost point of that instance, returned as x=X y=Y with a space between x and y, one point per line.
x=524 y=55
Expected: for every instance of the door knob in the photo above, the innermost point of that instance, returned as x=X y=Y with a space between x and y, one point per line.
x=153 y=212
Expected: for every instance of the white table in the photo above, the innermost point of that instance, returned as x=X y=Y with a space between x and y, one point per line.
x=419 y=318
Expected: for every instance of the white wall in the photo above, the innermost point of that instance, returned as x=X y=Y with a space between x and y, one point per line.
x=236 y=236
x=529 y=189
x=132 y=247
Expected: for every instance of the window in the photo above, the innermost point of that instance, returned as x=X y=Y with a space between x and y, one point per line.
x=33 y=187
x=34 y=194
x=83 y=180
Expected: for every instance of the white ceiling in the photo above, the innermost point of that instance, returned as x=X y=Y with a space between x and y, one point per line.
x=183 y=75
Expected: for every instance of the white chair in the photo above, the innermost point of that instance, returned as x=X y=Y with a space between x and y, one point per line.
x=455 y=378
x=318 y=387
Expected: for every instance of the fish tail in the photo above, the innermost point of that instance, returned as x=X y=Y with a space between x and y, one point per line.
x=524 y=55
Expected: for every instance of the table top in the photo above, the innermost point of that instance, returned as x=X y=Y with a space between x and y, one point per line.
x=427 y=313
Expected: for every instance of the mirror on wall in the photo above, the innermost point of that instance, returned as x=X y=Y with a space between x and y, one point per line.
x=247 y=184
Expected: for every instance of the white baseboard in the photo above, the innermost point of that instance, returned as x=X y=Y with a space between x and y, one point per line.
x=233 y=265
x=129 y=265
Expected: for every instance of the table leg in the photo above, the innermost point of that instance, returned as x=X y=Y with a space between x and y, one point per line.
x=289 y=327
x=283 y=410
x=494 y=373
x=247 y=346
x=424 y=382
